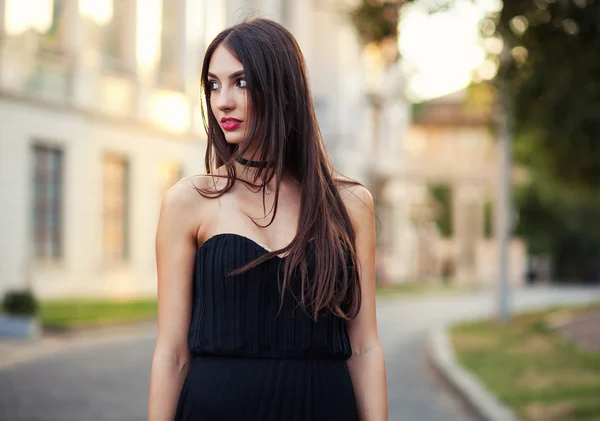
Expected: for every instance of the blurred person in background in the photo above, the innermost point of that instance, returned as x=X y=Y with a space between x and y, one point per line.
x=266 y=285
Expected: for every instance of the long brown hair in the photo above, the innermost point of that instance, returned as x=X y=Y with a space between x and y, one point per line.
x=285 y=131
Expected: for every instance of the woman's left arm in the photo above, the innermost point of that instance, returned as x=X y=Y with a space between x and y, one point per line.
x=366 y=366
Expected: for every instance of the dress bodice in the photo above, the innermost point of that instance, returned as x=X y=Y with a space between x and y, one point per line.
x=243 y=316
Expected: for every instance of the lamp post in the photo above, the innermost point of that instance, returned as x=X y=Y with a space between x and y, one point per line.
x=504 y=220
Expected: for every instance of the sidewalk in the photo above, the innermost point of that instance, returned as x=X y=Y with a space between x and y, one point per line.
x=17 y=351
x=583 y=330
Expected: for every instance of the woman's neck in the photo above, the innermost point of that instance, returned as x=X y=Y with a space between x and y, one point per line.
x=248 y=170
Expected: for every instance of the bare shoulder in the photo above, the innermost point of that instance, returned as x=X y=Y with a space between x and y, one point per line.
x=200 y=181
x=357 y=198
x=183 y=201
x=182 y=195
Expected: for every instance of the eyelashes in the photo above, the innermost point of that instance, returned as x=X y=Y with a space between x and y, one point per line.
x=213 y=85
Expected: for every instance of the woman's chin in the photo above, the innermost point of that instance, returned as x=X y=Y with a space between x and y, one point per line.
x=234 y=138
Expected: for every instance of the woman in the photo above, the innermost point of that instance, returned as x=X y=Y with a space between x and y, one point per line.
x=265 y=265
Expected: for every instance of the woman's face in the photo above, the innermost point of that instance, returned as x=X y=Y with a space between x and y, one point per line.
x=229 y=99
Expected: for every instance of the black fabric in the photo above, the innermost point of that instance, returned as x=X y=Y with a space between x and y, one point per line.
x=255 y=164
x=255 y=360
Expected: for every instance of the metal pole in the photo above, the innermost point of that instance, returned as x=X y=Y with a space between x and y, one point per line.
x=504 y=220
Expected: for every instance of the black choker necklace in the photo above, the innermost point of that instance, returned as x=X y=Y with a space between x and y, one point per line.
x=255 y=164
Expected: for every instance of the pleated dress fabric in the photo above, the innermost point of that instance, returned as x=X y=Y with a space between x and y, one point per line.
x=251 y=358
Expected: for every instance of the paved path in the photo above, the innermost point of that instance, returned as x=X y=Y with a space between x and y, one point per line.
x=103 y=379
x=583 y=329
x=97 y=376
x=413 y=394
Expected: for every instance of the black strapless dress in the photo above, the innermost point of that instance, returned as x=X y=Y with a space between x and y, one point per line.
x=251 y=360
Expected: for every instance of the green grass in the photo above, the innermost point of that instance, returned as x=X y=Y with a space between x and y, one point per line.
x=417 y=288
x=531 y=367
x=59 y=314
x=81 y=313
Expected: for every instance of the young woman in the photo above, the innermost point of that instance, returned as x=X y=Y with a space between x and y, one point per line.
x=266 y=293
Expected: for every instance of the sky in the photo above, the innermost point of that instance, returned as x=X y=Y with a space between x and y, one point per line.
x=440 y=51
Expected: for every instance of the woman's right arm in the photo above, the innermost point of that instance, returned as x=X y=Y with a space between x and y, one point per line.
x=175 y=252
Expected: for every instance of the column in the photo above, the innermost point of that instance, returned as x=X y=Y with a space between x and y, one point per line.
x=467 y=216
x=140 y=77
x=195 y=14
x=72 y=39
x=181 y=46
x=272 y=9
x=236 y=10
x=2 y=6
x=129 y=35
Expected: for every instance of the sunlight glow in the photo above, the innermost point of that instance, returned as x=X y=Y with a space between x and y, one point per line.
x=21 y=15
x=170 y=110
x=101 y=11
x=441 y=51
x=374 y=67
x=487 y=70
x=149 y=28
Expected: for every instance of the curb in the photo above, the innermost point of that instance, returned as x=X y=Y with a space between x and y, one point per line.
x=486 y=406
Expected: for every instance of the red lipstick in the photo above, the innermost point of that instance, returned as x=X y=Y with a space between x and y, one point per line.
x=230 y=123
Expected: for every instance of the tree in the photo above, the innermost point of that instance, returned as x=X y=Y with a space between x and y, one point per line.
x=561 y=223
x=552 y=77
x=377 y=20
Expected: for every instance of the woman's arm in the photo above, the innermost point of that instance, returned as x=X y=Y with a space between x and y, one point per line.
x=175 y=252
x=367 y=366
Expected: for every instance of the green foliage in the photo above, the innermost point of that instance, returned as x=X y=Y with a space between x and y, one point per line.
x=488 y=219
x=441 y=194
x=376 y=20
x=550 y=75
x=563 y=223
x=553 y=80
x=20 y=303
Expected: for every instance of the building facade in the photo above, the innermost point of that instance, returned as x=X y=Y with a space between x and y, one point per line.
x=446 y=192
x=99 y=116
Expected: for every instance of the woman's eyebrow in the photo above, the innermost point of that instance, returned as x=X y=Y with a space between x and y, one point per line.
x=231 y=76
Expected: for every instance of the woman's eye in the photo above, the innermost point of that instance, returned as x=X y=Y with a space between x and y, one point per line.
x=213 y=85
x=241 y=83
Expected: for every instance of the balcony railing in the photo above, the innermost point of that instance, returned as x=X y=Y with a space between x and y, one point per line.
x=43 y=75
x=64 y=80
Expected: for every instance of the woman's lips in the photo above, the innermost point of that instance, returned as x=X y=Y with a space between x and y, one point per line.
x=230 y=124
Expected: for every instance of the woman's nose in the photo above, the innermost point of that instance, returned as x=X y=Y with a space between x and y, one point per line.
x=225 y=100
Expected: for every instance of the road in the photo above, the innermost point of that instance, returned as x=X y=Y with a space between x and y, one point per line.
x=109 y=380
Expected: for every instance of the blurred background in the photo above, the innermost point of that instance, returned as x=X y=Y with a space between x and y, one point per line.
x=474 y=123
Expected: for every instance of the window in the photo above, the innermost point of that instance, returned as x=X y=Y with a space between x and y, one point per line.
x=116 y=208
x=47 y=202
x=286 y=13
